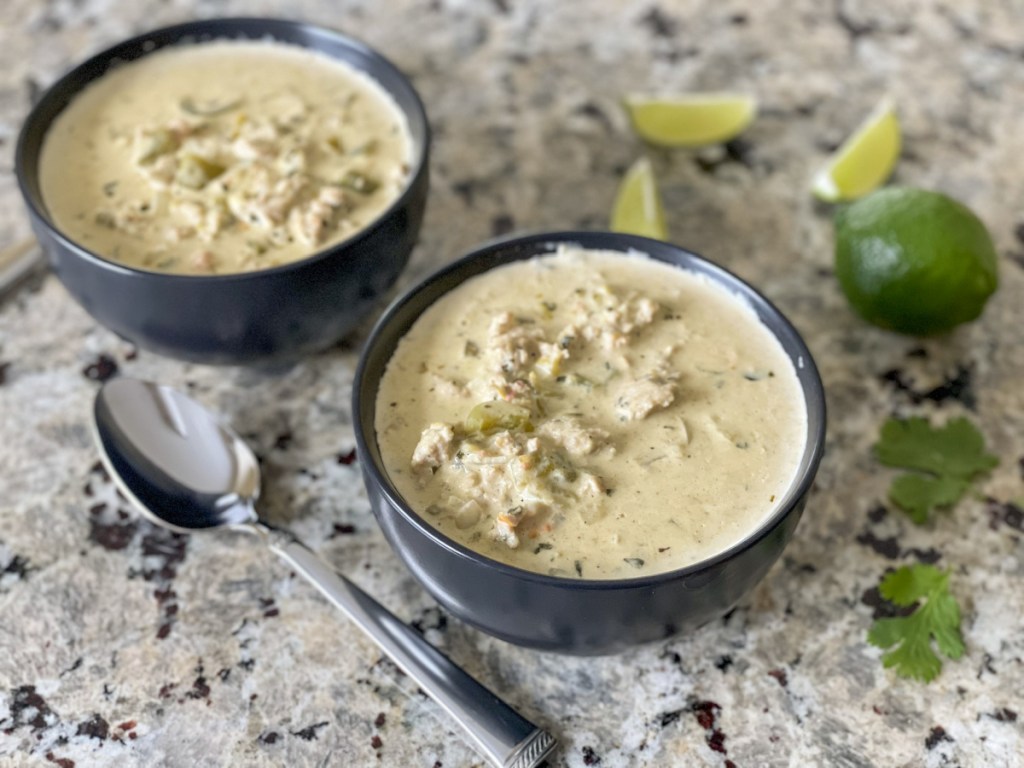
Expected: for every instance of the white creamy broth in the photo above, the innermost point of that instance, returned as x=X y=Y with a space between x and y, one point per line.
x=591 y=414
x=223 y=157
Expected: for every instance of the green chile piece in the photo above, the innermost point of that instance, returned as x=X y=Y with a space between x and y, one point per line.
x=497 y=414
x=195 y=172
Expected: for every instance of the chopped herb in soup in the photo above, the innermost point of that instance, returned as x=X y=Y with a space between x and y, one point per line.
x=223 y=157
x=591 y=414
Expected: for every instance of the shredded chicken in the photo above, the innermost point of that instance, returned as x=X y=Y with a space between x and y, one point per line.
x=513 y=345
x=434 y=447
x=603 y=316
x=573 y=435
x=639 y=398
x=512 y=462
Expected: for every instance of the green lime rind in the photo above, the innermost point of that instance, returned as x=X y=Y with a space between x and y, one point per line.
x=914 y=261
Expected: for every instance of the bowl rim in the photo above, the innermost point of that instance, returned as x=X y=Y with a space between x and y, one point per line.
x=26 y=164
x=544 y=243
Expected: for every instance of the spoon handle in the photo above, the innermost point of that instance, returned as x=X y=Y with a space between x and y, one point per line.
x=17 y=261
x=506 y=738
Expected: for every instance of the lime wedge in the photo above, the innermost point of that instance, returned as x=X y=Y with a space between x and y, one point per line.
x=690 y=120
x=864 y=161
x=638 y=208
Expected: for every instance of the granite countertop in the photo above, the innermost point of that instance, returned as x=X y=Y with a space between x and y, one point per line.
x=121 y=644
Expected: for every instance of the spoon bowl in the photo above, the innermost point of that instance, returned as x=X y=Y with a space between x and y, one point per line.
x=178 y=465
x=184 y=469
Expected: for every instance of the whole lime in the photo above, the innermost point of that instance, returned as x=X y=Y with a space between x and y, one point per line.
x=914 y=261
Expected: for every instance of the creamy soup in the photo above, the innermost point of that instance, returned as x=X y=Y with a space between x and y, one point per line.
x=591 y=414
x=223 y=157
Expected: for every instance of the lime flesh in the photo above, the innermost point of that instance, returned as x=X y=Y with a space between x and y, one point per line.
x=690 y=120
x=638 y=209
x=864 y=161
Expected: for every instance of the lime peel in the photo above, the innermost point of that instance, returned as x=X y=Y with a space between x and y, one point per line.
x=914 y=261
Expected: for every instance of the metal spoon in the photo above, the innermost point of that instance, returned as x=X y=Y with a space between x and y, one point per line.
x=17 y=262
x=185 y=470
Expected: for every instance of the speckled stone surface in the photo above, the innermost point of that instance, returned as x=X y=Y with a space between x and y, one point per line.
x=124 y=645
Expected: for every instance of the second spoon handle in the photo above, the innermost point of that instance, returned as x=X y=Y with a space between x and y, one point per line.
x=17 y=261
x=504 y=736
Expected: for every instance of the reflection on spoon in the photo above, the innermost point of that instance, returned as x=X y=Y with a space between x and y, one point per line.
x=185 y=470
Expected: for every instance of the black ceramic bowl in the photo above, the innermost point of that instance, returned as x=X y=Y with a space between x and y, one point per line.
x=560 y=614
x=252 y=317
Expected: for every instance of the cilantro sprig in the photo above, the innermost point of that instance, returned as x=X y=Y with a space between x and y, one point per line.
x=936 y=617
x=943 y=461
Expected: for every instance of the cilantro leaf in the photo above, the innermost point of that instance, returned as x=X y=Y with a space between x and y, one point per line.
x=944 y=459
x=917 y=494
x=910 y=637
x=957 y=449
x=911 y=583
x=913 y=657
